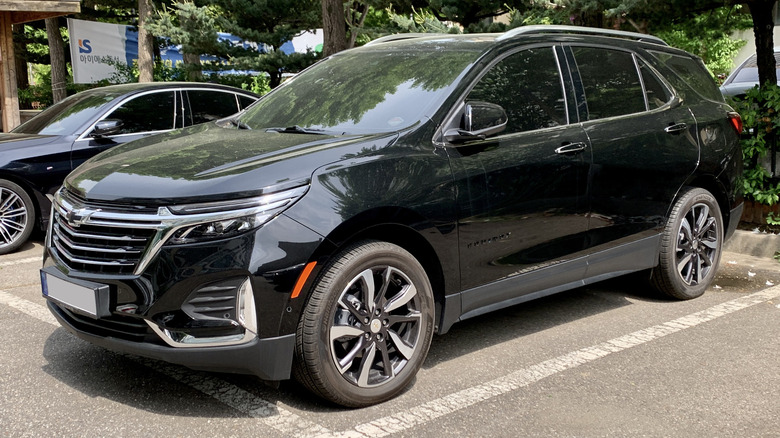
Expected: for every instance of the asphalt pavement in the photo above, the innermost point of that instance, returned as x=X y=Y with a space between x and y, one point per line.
x=609 y=360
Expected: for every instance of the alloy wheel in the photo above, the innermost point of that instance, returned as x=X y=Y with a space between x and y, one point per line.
x=377 y=326
x=697 y=244
x=13 y=217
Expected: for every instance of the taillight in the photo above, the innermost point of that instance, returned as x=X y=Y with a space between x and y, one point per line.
x=736 y=121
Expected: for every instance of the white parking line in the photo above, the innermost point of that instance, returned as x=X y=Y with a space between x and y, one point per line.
x=288 y=423
x=21 y=261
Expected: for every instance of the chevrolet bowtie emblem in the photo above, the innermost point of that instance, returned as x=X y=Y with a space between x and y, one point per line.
x=78 y=217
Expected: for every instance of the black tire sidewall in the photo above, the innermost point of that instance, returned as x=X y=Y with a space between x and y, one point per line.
x=668 y=278
x=30 y=224
x=330 y=284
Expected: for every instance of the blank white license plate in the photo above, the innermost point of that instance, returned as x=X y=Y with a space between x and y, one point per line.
x=84 y=297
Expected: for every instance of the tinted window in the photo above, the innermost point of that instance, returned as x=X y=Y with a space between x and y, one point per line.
x=207 y=105
x=148 y=112
x=245 y=101
x=748 y=72
x=611 y=82
x=693 y=74
x=528 y=86
x=656 y=91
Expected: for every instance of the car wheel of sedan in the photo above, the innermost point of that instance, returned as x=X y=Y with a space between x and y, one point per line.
x=17 y=216
x=690 y=246
x=367 y=326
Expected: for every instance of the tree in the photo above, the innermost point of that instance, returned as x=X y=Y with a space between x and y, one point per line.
x=59 y=72
x=763 y=25
x=145 y=43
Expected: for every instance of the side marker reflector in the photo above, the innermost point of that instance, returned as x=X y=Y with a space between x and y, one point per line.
x=302 y=279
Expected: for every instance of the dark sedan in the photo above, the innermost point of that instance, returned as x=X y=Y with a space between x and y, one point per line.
x=36 y=156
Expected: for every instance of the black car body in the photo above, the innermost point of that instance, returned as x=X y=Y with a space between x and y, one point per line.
x=36 y=156
x=392 y=190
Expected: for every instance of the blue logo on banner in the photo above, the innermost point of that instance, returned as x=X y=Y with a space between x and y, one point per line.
x=84 y=46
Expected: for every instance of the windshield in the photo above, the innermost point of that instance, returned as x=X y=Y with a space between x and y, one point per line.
x=363 y=91
x=65 y=117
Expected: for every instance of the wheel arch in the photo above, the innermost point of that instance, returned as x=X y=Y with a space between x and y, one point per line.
x=718 y=190
x=401 y=227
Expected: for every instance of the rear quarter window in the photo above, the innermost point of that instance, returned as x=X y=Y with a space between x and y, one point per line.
x=691 y=73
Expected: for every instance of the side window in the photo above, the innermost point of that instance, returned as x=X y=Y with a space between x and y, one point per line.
x=528 y=86
x=693 y=74
x=656 y=91
x=148 y=112
x=611 y=82
x=245 y=101
x=207 y=105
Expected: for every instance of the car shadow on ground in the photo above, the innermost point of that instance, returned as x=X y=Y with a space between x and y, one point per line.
x=159 y=387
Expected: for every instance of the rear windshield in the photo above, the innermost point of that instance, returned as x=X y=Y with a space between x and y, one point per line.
x=364 y=91
x=693 y=74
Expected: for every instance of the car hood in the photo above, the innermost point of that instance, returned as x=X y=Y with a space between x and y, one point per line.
x=208 y=163
x=11 y=141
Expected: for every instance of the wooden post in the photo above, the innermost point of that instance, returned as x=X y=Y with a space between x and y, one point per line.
x=10 y=98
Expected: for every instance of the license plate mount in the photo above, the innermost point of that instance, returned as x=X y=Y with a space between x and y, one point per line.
x=80 y=296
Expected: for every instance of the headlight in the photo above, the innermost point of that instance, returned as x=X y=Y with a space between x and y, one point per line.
x=224 y=219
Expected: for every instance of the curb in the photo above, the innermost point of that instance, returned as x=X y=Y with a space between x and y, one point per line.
x=753 y=243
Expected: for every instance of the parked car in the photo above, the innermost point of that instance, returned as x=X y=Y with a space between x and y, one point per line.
x=36 y=156
x=745 y=76
x=390 y=191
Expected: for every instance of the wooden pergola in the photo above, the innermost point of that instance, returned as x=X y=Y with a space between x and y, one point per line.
x=14 y=12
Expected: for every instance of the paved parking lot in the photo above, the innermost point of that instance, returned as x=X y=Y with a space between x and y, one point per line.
x=607 y=360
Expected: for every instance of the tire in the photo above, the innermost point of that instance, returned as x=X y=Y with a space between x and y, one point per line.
x=367 y=326
x=17 y=216
x=690 y=246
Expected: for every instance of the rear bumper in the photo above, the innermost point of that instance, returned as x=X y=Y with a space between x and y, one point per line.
x=268 y=358
x=734 y=216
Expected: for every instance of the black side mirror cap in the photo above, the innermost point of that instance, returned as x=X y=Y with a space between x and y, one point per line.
x=107 y=127
x=480 y=120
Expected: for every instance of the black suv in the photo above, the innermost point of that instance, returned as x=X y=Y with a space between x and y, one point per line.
x=391 y=191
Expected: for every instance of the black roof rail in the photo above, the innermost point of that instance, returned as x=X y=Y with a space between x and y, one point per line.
x=543 y=29
x=402 y=36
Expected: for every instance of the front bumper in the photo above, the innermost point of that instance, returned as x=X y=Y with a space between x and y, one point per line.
x=268 y=358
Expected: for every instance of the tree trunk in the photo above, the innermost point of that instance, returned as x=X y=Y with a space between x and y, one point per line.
x=20 y=50
x=334 y=27
x=59 y=72
x=763 y=28
x=193 y=66
x=145 y=44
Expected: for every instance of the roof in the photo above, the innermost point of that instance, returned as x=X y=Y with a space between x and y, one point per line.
x=21 y=11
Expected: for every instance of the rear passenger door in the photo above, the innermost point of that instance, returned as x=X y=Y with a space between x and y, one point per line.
x=644 y=148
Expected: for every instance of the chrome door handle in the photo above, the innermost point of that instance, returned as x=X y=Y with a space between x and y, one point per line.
x=674 y=129
x=571 y=148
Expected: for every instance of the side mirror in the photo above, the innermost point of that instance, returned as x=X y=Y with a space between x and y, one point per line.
x=107 y=127
x=480 y=120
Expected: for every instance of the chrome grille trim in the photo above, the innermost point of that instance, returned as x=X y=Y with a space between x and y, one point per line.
x=129 y=239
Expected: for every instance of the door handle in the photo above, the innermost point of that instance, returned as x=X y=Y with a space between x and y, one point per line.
x=571 y=148
x=674 y=129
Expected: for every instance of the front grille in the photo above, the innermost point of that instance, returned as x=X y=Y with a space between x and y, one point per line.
x=99 y=249
x=94 y=239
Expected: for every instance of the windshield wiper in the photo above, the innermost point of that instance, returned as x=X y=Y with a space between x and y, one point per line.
x=295 y=129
